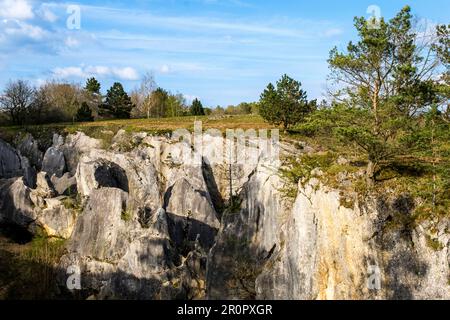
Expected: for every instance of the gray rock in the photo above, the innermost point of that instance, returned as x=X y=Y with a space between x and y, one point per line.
x=75 y=146
x=191 y=213
x=29 y=148
x=65 y=185
x=54 y=162
x=10 y=161
x=117 y=257
x=57 y=220
x=16 y=206
x=58 y=140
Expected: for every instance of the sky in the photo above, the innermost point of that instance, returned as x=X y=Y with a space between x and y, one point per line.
x=221 y=51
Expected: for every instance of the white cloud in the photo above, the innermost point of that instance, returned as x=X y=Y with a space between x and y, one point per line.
x=332 y=32
x=164 y=69
x=16 y=9
x=71 y=42
x=47 y=14
x=126 y=73
x=17 y=28
x=69 y=72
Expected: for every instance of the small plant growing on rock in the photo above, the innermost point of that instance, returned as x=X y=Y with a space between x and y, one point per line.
x=126 y=215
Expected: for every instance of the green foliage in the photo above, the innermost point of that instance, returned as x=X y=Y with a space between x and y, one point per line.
x=117 y=104
x=434 y=244
x=197 y=108
x=386 y=84
x=301 y=170
x=126 y=215
x=30 y=271
x=93 y=86
x=84 y=113
x=286 y=104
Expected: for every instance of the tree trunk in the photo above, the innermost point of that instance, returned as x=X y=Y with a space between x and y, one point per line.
x=370 y=173
x=375 y=107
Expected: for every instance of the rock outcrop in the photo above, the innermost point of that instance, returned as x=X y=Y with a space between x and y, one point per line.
x=144 y=223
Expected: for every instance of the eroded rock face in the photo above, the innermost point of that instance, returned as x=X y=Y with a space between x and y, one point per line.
x=10 y=164
x=142 y=225
x=65 y=185
x=29 y=147
x=191 y=215
x=54 y=162
x=13 y=164
x=15 y=203
x=106 y=244
x=57 y=220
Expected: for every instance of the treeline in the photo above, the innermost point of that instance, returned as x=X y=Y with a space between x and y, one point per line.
x=53 y=102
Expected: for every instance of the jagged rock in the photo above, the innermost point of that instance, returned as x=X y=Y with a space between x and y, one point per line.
x=57 y=220
x=44 y=186
x=149 y=228
x=12 y=164
x=54 y=162
x=117 y=257
x=191 y=214
x=66 y=185
x=57 y=140
x=98 y=174
x=15 y=203
x=132 y=173
x=75 y=146
x=29 y=173
x=29 y=147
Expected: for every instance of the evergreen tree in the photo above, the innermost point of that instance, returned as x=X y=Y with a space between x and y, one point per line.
x=287 y=104
x=84 y=113
x=93 y=86
x=384 y=83
x=197 y=108
x=117 y=104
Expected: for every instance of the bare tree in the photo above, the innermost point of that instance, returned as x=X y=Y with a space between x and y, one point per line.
x=141 y=96
x=17 y=99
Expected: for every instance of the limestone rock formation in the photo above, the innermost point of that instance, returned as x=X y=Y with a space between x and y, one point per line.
x=54 y=162
x=142 y=222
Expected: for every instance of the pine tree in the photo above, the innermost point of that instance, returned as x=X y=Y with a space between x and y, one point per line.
x=384 y=82
x=197 y=108
x=287 y=104
x=117 y=104
x=93 y=86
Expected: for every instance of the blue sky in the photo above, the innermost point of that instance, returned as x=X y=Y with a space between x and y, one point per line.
x=221 y=51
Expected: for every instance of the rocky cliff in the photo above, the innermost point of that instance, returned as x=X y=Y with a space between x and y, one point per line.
x=141 y=225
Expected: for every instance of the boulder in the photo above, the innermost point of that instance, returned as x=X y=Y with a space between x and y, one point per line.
x=117 y=257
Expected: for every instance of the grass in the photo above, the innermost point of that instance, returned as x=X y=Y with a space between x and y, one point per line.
x=106 y=129
x=126 y=215
x=28 y=271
